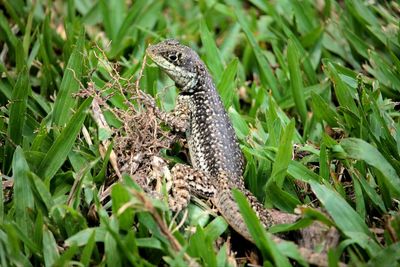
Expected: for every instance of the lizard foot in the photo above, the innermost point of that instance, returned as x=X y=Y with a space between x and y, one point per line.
x=187 y=181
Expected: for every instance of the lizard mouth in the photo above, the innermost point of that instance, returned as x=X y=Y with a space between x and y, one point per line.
x=155 y=56
x=150 y=51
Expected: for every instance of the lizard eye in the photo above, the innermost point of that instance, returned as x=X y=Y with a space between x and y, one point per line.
x=174 y=57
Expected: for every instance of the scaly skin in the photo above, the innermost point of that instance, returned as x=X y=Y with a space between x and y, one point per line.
x=214 y=150
x=212 y=141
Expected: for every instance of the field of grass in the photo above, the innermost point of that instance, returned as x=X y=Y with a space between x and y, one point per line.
x=312 y=88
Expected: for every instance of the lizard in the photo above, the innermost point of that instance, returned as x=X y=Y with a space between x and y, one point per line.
x=215 y=155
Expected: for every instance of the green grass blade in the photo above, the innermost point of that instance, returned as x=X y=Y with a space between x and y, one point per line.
x=258 y=233
x=132 y=18
x=280 y=199
x=323 y=163
x=70 y=84
x=58 y=152
x=362 y=13
x=323 y=111
x=213 y=58
x=88 y=250
x=18 y=107
x=50 y=250
x=201 y=246
x=267 y=76
x=11 y=38
x=342 y=90
x=23 y=197
x=226 y=85
x=295 y=81
x=361 y=150
x=113 y=13
x=120 y=197
x=347 y=220
x=82 y=237
x=65 y=258
x=283 y=156
x=216 y=228
x=111 y=251
x=42 y=191
x=386 y=256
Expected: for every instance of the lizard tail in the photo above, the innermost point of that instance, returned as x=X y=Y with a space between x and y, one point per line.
x=229 y=209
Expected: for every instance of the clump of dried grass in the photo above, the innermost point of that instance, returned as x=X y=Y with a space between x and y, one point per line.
x=139 y=139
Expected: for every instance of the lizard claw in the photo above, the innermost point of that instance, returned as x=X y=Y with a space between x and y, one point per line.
x=146 y=99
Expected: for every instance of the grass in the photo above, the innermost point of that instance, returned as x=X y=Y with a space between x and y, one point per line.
x=324 y=75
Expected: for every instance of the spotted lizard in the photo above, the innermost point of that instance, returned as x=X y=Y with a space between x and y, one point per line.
x=216 y=159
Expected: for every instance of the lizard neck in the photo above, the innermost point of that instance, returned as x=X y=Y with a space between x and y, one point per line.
x=201 y=82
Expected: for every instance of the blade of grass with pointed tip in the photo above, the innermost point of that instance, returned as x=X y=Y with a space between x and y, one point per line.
x=149 y=242
x=386 y=256
x=58 y=152
x=319 y=88
x=279 y=198
x=41 y=191
x=373 y=195
x=362 y=13
x=50 y=249
x=82 y=237
x=215 y=228
x=283 y=156
x=257 y=231
x=361 y=150
x=70 y=84
x=11 y=38
x=132 y=18
x=322 y=110
x=17 y=116
x=18 y=105
x=120 y=197
x=226 y=85
x=200 y=246
x=23 y=197
x=295 y=168
x=295 y=81
x=345 y=217
x=359 y=199
x=213 y=58
x=66 y=256
x=267 y=76
x=342 y=90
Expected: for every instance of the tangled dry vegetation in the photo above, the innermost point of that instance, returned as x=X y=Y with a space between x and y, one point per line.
x=137 y=144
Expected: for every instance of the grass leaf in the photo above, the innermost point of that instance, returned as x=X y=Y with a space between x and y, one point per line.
x=257 y=231
x=295 y=81
x=361 y=150
x=23 y=197
x=69 y=85
x=213 y=58
x=58 y=152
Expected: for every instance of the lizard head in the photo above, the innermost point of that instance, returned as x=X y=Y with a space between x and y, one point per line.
x=180 y=62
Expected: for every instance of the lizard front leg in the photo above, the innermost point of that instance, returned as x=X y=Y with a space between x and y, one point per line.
x=178 y=119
